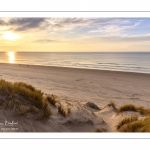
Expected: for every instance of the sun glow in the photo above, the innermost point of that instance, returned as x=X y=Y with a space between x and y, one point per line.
x=11 y=57
x=8 y=35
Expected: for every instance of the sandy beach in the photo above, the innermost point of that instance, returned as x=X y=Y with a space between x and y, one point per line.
x=80 y=86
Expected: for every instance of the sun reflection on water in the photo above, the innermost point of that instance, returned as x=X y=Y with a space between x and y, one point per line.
x=11 y=57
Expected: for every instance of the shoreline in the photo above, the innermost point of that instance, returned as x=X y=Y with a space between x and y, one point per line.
x=80 y=69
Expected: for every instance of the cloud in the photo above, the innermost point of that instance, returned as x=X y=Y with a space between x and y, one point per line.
x=48 y=24
x=51 y=24
x=63 y=24
x=114 y=29
x=77 y=23
x=45 y=41
x=2 y=22
x=22 y=24
x=135 y=38
x=56 y=24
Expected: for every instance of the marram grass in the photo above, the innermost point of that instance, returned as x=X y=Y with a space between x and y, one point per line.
x=52 y=99
x=141 y=125
x=23 y=99
x=100 y=129
x=131 y=107
x=64 y=112
x=133 y=123
x=112 y=104
x=128 y=107
x=125 y=121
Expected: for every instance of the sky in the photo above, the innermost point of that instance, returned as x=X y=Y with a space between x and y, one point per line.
x=75 y=34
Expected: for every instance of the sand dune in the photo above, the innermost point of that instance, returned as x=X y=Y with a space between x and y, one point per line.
x=86 y=92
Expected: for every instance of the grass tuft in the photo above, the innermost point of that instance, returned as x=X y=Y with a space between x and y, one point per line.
x=52 y=99
x=126 y=120
x=143 y=111
x=137 y=126
x=64 y=112
x=131 y=107
x=133 y=124
x=100 y=129
x=23 y=98
x=128 y=107
x=112 y=104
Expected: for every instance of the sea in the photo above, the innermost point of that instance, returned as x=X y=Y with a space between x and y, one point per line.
x=116 y=61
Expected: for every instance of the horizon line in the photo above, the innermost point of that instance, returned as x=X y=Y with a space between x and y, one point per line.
x=76 y=51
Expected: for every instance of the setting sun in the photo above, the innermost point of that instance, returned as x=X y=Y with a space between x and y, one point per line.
x=8 y=35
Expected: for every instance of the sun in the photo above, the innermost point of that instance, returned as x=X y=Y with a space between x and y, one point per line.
x=9 y=35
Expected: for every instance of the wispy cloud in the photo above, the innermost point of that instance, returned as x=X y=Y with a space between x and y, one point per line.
x=119 y=38
x=114 y=29
x=2 y=22
x=45 y=41
x=56 y=24
x=22 y=24
x=73 y=23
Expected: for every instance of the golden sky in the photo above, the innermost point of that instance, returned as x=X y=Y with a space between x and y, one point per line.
x=75 y=34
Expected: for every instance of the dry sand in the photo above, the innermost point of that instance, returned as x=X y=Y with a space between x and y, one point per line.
x=76 y=87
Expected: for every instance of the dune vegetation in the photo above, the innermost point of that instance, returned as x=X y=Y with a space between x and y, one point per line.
x=23 y=99
x=134 y=123
x=100 y=129
x=52 y=99
x=112 y=104
x=64 y=112
x=126 y=120
x=140 y=125
x=131 y=107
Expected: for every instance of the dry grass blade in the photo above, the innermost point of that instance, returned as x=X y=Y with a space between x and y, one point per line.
x=69 y=110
